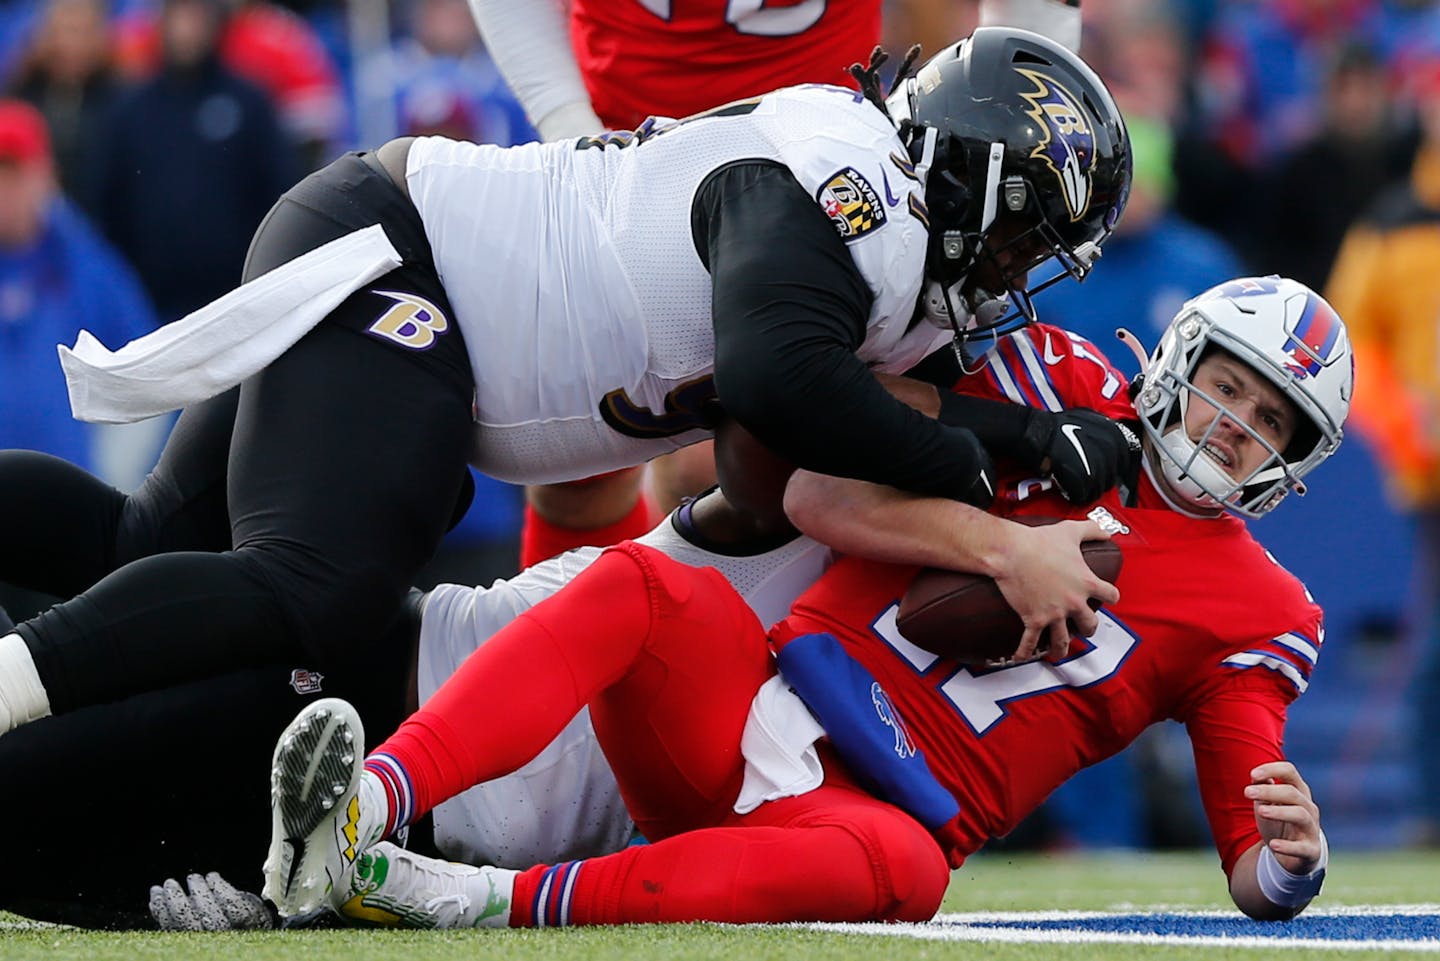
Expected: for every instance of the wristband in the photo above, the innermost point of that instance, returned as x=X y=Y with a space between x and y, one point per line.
x=1286 y=889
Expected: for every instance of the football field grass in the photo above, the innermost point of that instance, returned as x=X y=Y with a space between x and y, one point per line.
x=999 y=906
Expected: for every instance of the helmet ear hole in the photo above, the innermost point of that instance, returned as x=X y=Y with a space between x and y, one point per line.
x=1306 y=439
x=953 y=204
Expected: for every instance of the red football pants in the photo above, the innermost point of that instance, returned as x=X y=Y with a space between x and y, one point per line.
x=541 y=539
x=669 y=658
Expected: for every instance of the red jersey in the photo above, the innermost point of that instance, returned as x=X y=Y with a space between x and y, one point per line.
x=1209 y=631
x=678 y=57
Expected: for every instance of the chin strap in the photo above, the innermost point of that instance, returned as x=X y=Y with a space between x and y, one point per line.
x=931 y=138
x=1136 y=348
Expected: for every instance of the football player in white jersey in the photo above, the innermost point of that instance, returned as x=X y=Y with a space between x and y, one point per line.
x=547 y=312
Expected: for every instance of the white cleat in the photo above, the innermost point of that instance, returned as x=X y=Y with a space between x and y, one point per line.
x=317 y=827
x=392 y=887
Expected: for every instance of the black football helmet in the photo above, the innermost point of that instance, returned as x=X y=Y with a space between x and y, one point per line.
x=1025 y=159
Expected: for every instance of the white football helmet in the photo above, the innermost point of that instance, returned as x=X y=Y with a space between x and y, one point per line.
x=1289 y=335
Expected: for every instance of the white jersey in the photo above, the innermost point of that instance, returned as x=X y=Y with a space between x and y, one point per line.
x=574 y=277
x=565 y=803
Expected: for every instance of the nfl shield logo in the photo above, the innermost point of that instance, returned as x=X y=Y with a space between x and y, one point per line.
x=306 y=682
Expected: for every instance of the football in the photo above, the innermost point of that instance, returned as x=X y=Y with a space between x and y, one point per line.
x=965 y=617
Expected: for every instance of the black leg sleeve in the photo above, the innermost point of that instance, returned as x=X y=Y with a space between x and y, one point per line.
x=106 y=801
x=65 y=528
x=346 y=463
x=59 y=523
x=343 y=462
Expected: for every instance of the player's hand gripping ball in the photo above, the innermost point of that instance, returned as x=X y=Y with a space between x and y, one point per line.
x=964 y=617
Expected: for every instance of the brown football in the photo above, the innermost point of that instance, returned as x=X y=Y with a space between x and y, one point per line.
x=965 y=617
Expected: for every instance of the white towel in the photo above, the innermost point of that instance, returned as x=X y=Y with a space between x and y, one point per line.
x=779 y=747
x=216 y=347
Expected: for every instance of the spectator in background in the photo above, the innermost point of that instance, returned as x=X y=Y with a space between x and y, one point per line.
x=1317 y=191
x=446 y=83
x=277 y=51
x=196 y=158
x=1386 y=282
x=67 y=72
x=56 y=276
x=1261 y=82
x=17 y=19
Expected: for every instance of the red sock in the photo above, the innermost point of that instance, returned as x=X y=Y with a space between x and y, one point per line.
x=541 y=539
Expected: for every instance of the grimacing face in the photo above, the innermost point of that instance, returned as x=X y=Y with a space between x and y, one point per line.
x=1245 y=397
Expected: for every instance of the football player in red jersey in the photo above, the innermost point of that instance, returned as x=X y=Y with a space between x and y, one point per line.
x=621 y=61
x=840 y=777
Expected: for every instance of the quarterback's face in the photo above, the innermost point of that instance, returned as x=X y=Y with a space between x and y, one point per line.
x=1245 y=398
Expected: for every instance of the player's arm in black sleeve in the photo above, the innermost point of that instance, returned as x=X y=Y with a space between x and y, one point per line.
x=790 y=308
x=1083 y=450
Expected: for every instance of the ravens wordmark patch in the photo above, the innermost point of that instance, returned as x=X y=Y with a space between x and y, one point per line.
x=852 y=204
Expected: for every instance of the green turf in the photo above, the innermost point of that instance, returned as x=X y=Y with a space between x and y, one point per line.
x=995 y=882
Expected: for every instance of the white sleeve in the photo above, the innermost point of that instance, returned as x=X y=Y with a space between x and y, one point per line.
x=1057 y=19
x=457 y=619
x=530 y=43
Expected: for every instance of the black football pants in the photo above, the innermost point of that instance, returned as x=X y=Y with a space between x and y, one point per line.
x=287 y=519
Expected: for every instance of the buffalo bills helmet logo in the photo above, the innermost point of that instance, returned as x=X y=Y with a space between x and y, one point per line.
x=1067 y=140
x=1315 y=333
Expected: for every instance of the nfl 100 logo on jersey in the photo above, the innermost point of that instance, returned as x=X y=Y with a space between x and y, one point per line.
x=852 y=204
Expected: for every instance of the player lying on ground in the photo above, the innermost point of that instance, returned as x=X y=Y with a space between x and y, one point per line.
x=564 y=804
x=755 y=811
x=549 y=810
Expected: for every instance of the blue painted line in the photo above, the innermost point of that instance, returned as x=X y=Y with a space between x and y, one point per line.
x=1350 y=927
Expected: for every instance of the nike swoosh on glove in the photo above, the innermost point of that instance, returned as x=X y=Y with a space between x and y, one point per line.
x=1088 y=453
x=981 y=492
x=210 y=904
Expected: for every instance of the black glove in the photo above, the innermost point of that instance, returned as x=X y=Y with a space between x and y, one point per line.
x=981 y=491
x=1085 y=452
